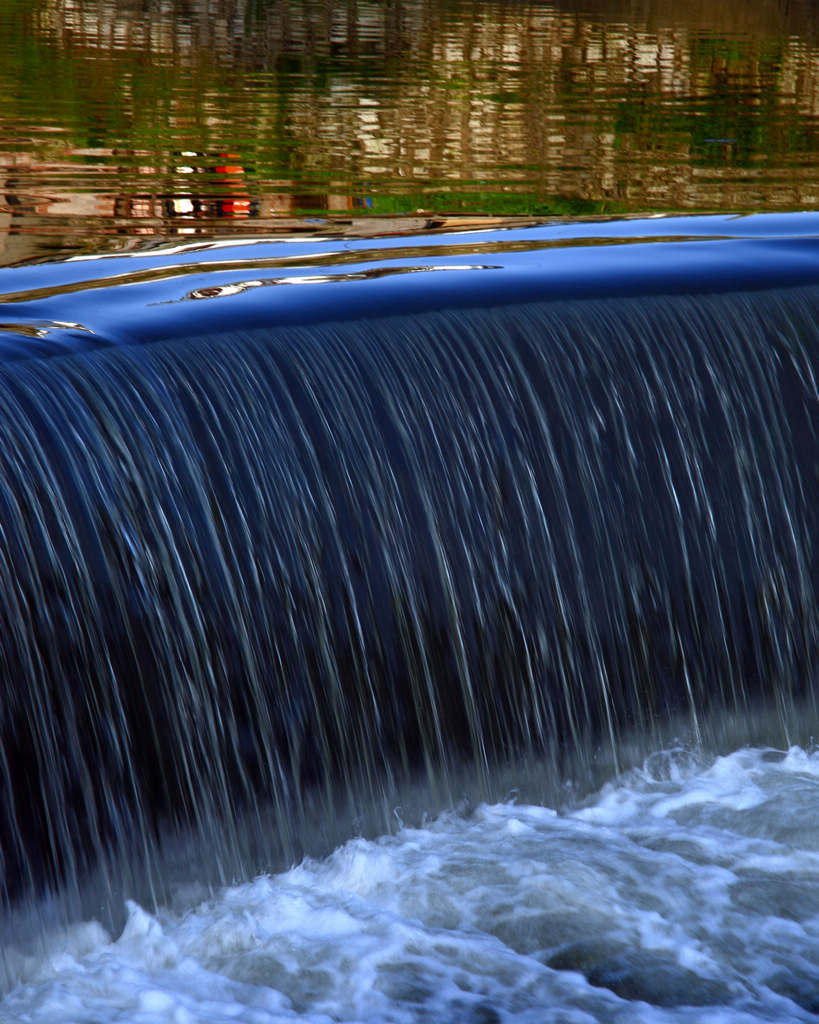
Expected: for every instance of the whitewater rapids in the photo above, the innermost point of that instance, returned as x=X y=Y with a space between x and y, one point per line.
x=687 y=889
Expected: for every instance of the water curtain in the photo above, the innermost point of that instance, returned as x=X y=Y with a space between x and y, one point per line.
x=253 y=561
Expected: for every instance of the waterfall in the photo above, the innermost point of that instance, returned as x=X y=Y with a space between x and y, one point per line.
x=242 y=566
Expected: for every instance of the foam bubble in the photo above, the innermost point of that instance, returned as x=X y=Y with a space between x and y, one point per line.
x=683 y=891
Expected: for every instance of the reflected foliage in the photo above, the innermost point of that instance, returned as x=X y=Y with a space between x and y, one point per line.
x=113 y=111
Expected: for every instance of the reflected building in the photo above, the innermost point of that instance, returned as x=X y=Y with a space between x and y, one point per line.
x=503 y=107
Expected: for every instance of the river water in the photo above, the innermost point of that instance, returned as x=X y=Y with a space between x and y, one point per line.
x=124 y=121
x=316 y=548
x=407 y=565
x=684 y=890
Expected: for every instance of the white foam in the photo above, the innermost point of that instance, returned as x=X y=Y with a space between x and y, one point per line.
x=686 y=890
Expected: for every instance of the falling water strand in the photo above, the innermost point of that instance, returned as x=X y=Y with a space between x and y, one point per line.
x=256 y=570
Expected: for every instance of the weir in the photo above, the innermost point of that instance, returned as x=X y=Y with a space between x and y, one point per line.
x=438 y=508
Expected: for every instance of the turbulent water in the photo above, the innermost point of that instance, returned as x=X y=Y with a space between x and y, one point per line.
x=687 y=889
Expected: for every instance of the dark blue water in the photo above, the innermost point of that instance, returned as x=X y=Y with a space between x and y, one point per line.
x=170 y=291
x=289 y=530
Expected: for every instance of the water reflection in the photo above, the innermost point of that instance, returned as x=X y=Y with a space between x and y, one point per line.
x=123 y=120
x=221 y=291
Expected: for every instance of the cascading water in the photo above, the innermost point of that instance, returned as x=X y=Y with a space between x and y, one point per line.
x=257 y=553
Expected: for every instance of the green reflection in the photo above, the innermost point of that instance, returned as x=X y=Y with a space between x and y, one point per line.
x=125 y=119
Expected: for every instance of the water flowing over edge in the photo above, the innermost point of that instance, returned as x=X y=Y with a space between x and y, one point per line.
x=274 y=571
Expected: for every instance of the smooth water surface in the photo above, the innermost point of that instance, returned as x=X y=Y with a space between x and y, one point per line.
x=176 y=289
x=124 y=120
